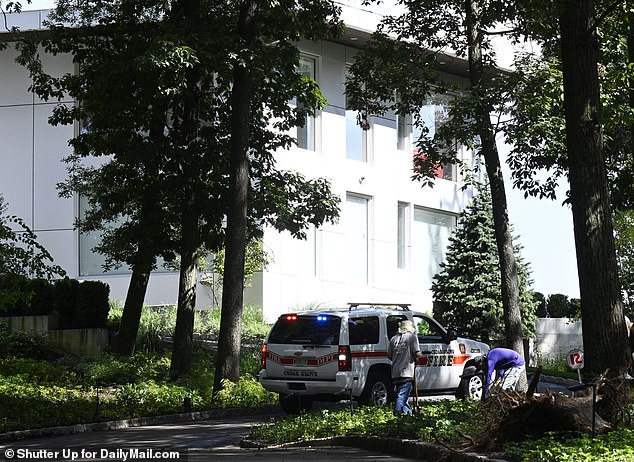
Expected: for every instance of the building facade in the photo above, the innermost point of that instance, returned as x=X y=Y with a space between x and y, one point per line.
x=392 y=232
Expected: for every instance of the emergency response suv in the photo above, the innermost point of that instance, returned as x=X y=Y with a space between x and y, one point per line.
x=334 y=354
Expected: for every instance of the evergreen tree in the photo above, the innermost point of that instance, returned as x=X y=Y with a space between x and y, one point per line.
x=467 y=290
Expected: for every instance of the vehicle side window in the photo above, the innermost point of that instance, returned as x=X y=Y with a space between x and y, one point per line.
x=427 y=330
x=392 y=325
x=363 y=330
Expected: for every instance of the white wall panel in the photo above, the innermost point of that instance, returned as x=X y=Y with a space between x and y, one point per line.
x=16 y=159
x=57 y=66
x=25 y=20
x=61 y=246
x=15 y=80
x=50 y=146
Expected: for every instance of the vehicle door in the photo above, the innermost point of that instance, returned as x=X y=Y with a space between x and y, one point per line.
x=435 y=371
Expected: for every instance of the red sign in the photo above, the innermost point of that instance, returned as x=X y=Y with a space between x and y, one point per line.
x=574 y=359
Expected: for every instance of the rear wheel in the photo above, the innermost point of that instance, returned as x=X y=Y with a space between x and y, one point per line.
x=377 y=390
x=471 y=387
x=295 y=404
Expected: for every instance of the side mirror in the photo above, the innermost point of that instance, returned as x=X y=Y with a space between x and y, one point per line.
x=451 y=335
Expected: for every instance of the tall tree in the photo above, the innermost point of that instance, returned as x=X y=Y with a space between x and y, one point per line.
x=267 y=35
x=432 y=26
x=605 y=340
x=565 y=133
x=467 y=290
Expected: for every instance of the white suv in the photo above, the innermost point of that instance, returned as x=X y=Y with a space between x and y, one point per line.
x=333 y=354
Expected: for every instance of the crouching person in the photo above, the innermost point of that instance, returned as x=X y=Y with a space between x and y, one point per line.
x=508 y=366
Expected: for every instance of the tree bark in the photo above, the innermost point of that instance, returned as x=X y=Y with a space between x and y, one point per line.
x=604 y=336
x=188 y=10
x=503 y=236
x=228 y=359
x=131 y=317
x=145 y=257
x=184 y=330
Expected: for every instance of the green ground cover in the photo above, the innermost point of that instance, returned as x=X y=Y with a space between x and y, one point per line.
x=455 y=424
x=39 y=388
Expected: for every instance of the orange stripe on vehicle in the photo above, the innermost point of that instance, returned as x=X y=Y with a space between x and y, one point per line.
x=460 y=359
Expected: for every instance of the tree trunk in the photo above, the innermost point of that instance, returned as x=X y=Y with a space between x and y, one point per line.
x=188 y=10
x=131 y=318
x=184 y=331
x=503 y=236
x=145 y=257
x=228 y=360
x=604 y=336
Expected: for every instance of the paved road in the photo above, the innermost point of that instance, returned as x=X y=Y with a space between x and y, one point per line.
x=212 y=440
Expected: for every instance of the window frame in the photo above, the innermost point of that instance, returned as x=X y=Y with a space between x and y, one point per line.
x=311 y=120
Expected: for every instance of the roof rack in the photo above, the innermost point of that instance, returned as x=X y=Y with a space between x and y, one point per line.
x=355 y=305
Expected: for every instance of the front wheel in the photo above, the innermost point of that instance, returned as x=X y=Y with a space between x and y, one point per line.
x=471 y=387
x=295 y=404
x=377 y=390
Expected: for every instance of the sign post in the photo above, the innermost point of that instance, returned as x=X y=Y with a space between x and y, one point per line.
x=574 y=359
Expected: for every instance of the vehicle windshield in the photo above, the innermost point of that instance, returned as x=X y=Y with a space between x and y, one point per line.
x=306 y=330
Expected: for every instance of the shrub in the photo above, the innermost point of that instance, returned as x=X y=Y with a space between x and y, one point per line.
x=42 y=300
x=24 y=404
x=19 y=295
x=616 y=446
x=107 y=370
x=66 y=302
x=15 y=343
x=247 y=392
x=149 y=398
x=438 y=420
x=92 y=304
x=36 y=371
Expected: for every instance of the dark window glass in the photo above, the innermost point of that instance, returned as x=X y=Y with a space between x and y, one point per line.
x=392 y=324
x=363 y=330
x=306 y=330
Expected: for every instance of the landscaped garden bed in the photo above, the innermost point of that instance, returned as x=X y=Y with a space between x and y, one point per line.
x=40 y=387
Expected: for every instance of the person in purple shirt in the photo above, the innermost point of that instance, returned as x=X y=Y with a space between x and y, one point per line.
x=508 y=365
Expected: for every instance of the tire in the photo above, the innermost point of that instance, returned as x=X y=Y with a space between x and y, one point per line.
x=295 y=404
x=471 y=387
x=377 y=390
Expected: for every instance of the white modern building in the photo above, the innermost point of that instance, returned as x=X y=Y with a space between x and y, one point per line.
x=389 y=241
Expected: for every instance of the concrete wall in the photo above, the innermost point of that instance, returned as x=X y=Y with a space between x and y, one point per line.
x=83 y=342
x=37 y=324
x=554 y=338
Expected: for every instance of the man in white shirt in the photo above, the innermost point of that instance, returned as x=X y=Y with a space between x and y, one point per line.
x=403 y=350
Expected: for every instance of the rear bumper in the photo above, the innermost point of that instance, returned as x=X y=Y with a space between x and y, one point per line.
x=344 y=383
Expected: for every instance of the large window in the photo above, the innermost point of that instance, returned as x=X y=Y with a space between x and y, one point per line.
x=90 y=262
x=430 y=238
x=356 y=137
x=402 y=244
x=432 y=115
x=357 y=232
x=306 y=133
